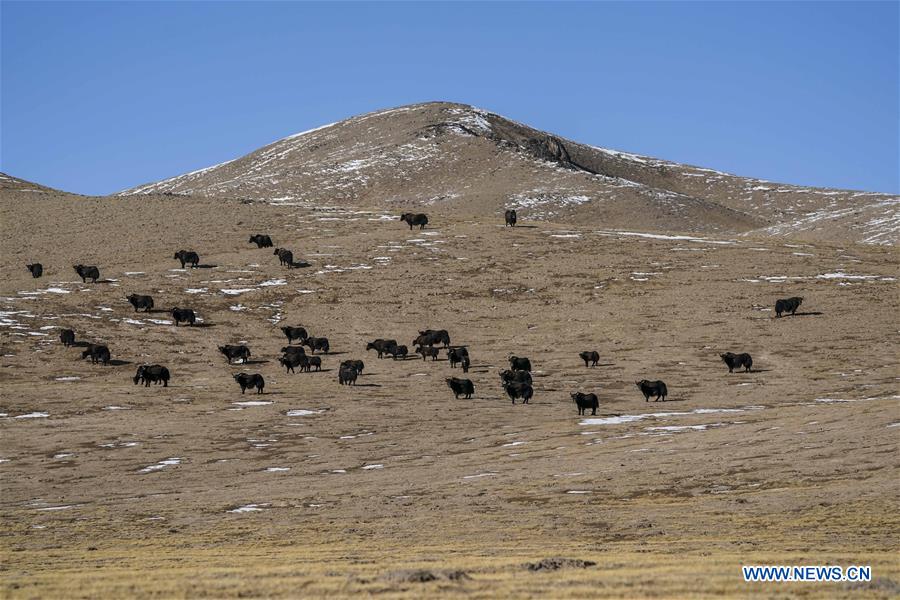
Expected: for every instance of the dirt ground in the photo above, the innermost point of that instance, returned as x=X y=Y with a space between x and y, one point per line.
x=395 y=488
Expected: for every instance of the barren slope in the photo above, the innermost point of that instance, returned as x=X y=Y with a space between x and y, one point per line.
x=480 y=163
x=314 y=489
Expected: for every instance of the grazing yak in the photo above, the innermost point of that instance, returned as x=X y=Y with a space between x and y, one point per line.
x=518 y=390
x=87 y=272
x=510 y=217
x=458 y=355
x=289 y=361
x=652 y=388
x=519 y=364
x=183 y=315
x=140 y=302
x=415 y=219
x=234 y=352
x=98 y=353
x=152 y=373
x=586 y=401
x=356 y=364
x=427 y=351
x=465 y=364
x=590 y=358
x=398 y=352
x=311 y=362
x=293 y=350
x=186 y=257
x=314 y=343
x=787 y=305
x=736 y=361
x=37 y=269
x=285 y=257
x=246 y=380
x=67 y=337
x=261 y=240
x=515 y=377
x=381 y=346
x=294 y=333
x=430 y=337
x=461 y=386
x=347 y=374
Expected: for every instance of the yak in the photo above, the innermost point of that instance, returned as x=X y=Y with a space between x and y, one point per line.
x=736 y=361
x=590 y=358
x=347 y=374
x=293 y=350
x=461 y=386
x=246 y=380
x=465 y=364
x=430 y=337
x=381 y=346
x=398 y=352
x=87 y=272
x=294 y=333
x=518 y=390
x=415 y=219
x=515 y=376
x=309 y=362
x=139 y=302
x=315 y=343
x=152 y=373
x=37 y=269
x=455 y=357
x=186 y=257
x=586 y=401
x=233 y=352
x=67 y=337
x=510 y=217
x=98 y=353
x=356 y=364
x=261 y=240
x=787 y=305
x=519 y=364
x=289 y=361
x=652 y=388
x=183 y=315
x=285 y=256
x=427 y=351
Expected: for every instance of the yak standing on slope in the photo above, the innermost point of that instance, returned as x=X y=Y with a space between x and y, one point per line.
x=415 y=219
x=36 y=269
x=511 y=218
x=788 y=305
x=186 y=257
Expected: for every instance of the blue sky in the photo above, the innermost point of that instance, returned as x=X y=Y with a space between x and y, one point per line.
x=97 y=97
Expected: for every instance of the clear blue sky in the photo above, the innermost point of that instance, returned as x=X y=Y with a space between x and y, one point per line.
x=97 y=97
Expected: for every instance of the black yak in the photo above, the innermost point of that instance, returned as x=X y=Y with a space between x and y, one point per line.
x=515 y=376
x=140 y=302
x=398 y=352
x=787 y=305
x=347 y=374
x=294 y=333
x=234 y=352
x=652 y=388
x=519 y=364
x=430 y=337
x=586 y=401
x=736 y=361
x=381 y=346
x=183 y=315
x=510 y=217
x=356 y=364
x=518 y=390
x=315 y=343
x=427 y=351
x=246 y=380
x=461 y=386
x=37 y=269
x=186 y=257
x=98 y=353
x=285 y=256
x=261 y=240
x=67 y=337
x=152 y=373
x=87 y=272
x=590 y=358
x=415 y=219
x=289 y=361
